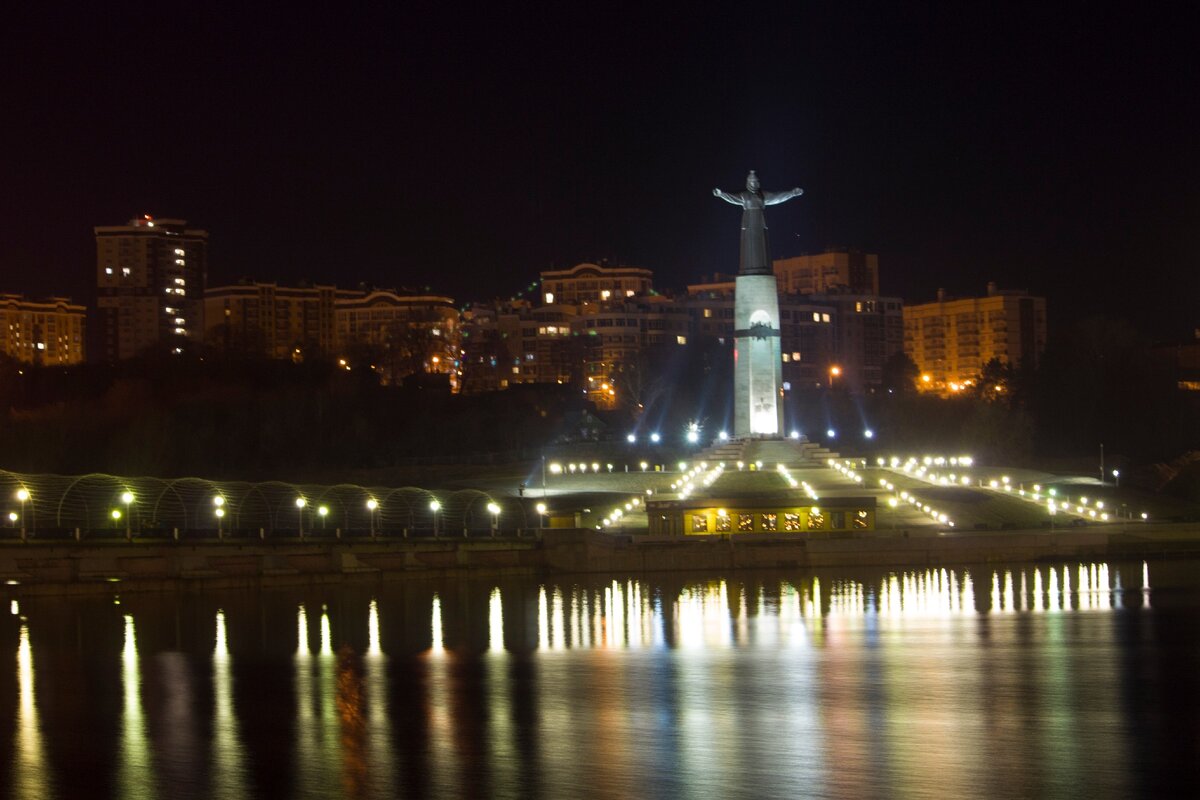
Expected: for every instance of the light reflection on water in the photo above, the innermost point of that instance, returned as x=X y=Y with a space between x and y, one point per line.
x=1016 y=680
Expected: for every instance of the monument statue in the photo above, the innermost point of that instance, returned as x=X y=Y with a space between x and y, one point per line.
x=755 y=257
x=757 y=370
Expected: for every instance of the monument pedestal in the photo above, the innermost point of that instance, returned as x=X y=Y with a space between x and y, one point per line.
x=770 y=450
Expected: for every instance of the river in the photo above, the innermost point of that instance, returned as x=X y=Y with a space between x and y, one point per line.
x=1019 y=680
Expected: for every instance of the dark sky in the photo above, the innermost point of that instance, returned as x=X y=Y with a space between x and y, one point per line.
x=412 y=145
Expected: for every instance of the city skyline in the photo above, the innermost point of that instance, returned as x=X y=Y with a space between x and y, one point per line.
x=1039 y=151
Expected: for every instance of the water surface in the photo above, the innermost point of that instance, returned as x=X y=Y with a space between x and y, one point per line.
x=1049 y=680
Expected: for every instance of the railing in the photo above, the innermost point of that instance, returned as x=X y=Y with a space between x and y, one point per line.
x=103 y=505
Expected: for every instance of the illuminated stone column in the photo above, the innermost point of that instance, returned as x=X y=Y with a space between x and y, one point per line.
x=757 y=370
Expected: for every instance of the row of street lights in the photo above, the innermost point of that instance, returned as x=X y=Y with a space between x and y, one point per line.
x=127 y=499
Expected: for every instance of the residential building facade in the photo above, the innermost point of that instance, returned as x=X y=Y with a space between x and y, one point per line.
x=48 y=332
x=950 y=340
x=150 y=280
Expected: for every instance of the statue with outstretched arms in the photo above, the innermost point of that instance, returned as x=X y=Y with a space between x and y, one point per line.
x=755 y=257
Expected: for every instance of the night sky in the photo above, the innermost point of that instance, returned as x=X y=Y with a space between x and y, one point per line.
x=465 y=150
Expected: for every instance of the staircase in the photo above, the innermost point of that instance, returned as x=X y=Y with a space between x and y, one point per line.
x=791 y=452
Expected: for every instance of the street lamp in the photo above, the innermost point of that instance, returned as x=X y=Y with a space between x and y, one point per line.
x=892 y=503
x=1116 y=473
x=372 y=505
x=22 y=497
x=435 y=506
x=300 y=504
x=127 y=499
x=541 y=510
x=323 y=511
x=495 y=512
x=220 y=512
x=834 y=371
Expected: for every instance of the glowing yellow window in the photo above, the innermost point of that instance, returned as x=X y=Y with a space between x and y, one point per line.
x=699 y=523
x=770 y=522
x=791 y=522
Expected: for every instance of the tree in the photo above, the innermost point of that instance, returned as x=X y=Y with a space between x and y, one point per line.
x=900 y=373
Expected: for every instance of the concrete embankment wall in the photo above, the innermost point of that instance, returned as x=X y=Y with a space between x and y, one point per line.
x=65 y=568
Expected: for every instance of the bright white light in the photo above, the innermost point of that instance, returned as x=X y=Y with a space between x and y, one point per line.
x=831 y=433
x=434 y=505
x=220 y=512
x=723 y=436
x=795 y=434
x=127 y=497
x=218 y=501
x=493 y=508
x=22 y=495
x=372 y=504
x=693 y=436
x=631 y=438
x=323 y=510
x=870 y=434
x=654 y=437
x=541 y=508
x=301 y=502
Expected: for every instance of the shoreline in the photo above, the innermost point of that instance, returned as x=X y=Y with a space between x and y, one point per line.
x=70 y=568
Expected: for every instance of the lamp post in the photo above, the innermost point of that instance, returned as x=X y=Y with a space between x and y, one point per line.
x=322 y=512
x=834 y=371
x=372 y=505
x=22 y=497
x=116 y=518
x=435 y=506
x=495 y=512
x=1116 y=473
x=127 y=499
x=300 y=504
x=219 y=502
x=541 y=510
x=892 y=503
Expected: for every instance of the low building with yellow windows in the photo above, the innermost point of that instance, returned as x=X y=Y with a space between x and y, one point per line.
x=779 y=513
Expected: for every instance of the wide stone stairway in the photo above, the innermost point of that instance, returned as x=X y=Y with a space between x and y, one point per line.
x=770 y=451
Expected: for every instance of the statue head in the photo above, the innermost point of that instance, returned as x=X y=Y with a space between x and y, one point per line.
x=752 y=182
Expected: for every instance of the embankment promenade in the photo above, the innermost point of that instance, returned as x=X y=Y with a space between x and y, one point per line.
x=32 y=567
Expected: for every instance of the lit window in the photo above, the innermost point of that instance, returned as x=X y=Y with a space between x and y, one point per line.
x=816 y=316
x=816 y=520
x=796 y=356
x=707 y=313
x=681 y=340
x=126 y=271
x=605 y=294
x=824 y=318
x=724 y=523
x=108 y=270
x=549 y=298
x=516 y=370
x=699 y=523
x=770 y=522
x=745 y=522
x=858 y=307
x=629 y=292
x=178 y=252
x=786 y=358
x=860 y=519
x=791 y=522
